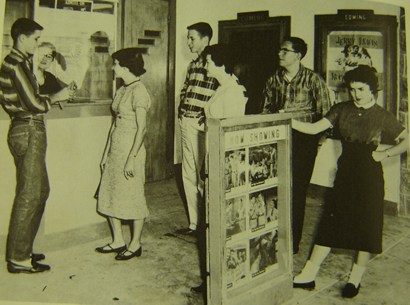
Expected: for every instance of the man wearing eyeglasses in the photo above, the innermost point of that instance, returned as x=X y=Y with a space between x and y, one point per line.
x=296 y=89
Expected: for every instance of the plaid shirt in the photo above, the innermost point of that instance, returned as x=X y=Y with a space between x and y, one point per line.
x=306 y=95
x=19 y=89
x=197 y=90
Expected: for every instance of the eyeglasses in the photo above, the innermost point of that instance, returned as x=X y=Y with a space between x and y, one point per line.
x=48 y=56
x=284 y=50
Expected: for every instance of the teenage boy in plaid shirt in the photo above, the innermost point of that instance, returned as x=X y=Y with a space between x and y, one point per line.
x=296 y=89
x=197 y=90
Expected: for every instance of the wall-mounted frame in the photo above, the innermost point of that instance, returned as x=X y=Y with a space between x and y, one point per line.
x=354 y=37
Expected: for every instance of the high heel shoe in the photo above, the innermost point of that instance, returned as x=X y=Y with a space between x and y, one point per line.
x=307 y=285
x=350 y=290
x=124 y=256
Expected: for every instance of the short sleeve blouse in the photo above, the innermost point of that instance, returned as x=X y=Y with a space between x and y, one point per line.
x=369 y=126
x=129 y=98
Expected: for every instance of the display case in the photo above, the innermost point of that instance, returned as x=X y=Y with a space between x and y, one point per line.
x=248 y=203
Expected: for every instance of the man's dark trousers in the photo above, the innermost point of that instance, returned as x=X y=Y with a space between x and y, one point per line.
x=304 y=151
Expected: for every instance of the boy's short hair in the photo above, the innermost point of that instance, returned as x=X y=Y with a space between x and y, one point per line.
x=298 y=44
x=203 y=28
x=24 y=26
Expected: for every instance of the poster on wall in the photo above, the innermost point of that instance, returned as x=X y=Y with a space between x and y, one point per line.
x=348 y=49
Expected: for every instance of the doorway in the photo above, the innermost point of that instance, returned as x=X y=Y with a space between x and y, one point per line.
x=258 y=44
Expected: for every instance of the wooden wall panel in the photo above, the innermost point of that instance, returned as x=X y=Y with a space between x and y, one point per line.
x=145 y=25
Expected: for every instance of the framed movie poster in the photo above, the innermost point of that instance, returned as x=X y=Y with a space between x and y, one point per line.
x=352 y=38
x=248 y=204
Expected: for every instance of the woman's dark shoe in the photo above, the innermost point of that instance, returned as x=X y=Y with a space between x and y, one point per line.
x=308 y=285
x=350 y=290
x=108 y=249
x=127 y=254
x=35 y=268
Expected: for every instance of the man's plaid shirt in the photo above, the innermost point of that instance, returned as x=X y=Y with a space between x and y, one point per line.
x=306 y=95
x=197 y=90
x=19 y=93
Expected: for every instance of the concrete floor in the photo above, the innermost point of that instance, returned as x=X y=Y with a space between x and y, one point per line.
x=168 y=266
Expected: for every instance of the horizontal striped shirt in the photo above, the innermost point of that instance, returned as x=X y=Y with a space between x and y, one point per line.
x=197 y=89
x=306 y=96
x=19 y=89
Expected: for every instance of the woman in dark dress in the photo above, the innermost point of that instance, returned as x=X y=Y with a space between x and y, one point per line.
x=48 y=83
x=353 y=215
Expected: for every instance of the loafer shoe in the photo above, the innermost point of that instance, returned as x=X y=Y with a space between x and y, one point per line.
x=108 y=249
x=35 y=257
x=350 y=290
x=198 y=289
x=186 y=231
x=35 y=268
x=127 y=254
x=308 y=285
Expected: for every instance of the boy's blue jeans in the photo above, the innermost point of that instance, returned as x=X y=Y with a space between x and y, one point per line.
x=27 y=141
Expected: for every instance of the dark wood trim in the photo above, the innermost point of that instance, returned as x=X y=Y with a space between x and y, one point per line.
x=282 y=22
x=121 y=24
x=170 y=134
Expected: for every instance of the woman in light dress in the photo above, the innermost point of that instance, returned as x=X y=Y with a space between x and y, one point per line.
x=121 y=195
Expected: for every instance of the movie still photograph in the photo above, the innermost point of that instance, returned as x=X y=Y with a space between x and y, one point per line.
x=263 y=251
x=262 y=163
x=235 y=213
x=235 y=169
x=263 y=208
x=236 y=264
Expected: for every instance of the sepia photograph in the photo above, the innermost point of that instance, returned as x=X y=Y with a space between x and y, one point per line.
x=236 y=264
x=263 y=252
x=235 y=169
x=235 y=216
x=204 y=152
x=263 y=208
x=262 y=163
